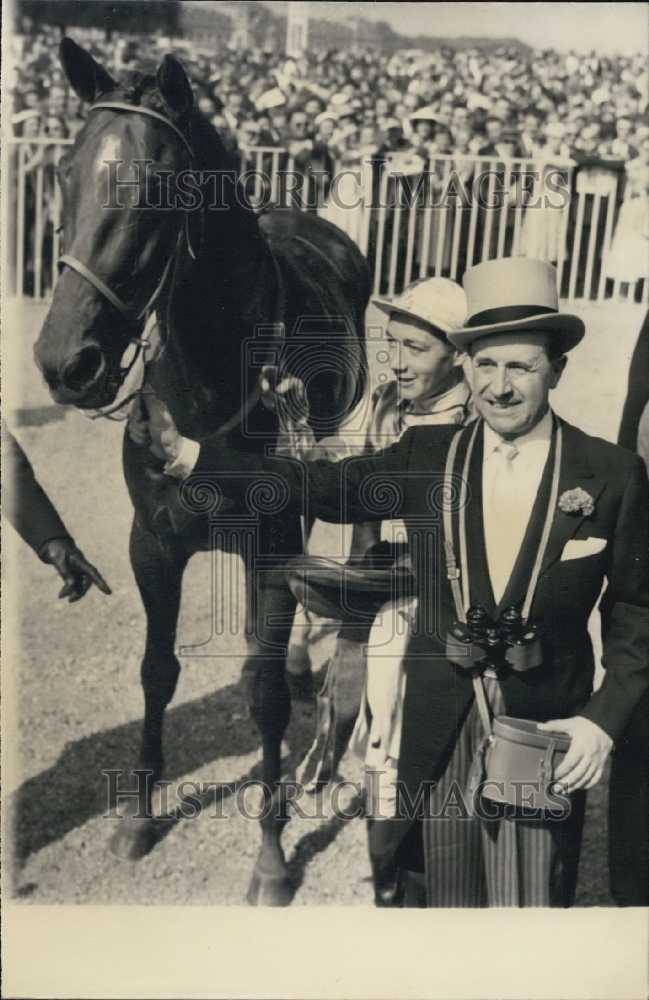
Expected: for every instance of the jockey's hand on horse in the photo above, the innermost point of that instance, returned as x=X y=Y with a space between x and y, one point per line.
x=77 y=573
x=286 y=395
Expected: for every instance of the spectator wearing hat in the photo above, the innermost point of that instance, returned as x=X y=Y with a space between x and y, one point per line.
x=394 y=141
x=574 y=506
x=422 y=126
x=325 y=126
x=428 y=388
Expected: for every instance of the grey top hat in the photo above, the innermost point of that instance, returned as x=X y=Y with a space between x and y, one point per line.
x=512 y=294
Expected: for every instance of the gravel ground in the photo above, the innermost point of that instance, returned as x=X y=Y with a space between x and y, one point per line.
x=73 y=698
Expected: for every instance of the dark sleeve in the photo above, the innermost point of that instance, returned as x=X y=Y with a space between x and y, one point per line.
x=360 y=488
x=625 y=612
x=25 y=503
x=637 y=394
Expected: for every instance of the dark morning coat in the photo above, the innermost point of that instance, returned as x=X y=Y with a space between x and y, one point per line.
x=24 y=502
x=405 y=481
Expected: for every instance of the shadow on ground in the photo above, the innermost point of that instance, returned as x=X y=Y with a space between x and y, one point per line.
x=74 y=790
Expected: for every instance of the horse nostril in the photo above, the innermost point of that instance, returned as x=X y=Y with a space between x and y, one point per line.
x=84 y=369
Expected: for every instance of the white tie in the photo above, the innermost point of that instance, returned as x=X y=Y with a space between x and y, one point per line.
x=505 y=512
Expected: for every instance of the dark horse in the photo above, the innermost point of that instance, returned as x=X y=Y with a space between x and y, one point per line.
x=233 y=288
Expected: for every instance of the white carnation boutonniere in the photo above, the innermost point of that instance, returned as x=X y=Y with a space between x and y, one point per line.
x=577 y=501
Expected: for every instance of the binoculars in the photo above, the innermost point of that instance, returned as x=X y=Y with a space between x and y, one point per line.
x=481 y=642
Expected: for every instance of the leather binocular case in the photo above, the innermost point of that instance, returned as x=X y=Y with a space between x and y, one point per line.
x=519 y=764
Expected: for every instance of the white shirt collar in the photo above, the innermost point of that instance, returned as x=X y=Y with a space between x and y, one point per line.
x=457 y=395
x=541 y=433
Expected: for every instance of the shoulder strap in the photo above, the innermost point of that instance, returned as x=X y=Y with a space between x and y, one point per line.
x=461 y=597
x=452 y=571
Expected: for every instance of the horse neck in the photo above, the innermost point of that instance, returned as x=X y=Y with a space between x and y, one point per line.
x=234 y=269
x=217 y=302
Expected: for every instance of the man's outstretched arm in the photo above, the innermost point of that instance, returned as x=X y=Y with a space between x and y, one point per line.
x=360 y=488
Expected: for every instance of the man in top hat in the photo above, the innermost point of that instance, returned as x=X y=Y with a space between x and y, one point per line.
x=549 y=515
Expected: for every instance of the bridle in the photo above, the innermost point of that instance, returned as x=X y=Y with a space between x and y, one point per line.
x=143 y=342
x=130 y=313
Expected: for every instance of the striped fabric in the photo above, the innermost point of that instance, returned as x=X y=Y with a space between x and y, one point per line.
x=501 y=862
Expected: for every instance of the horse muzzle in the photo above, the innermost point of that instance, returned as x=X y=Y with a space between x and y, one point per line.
x=85 y=380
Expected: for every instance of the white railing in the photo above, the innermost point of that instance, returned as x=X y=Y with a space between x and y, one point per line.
x=411 y=220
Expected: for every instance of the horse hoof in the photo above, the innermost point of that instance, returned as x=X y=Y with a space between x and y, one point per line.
x=269 y=890
x=133 y=839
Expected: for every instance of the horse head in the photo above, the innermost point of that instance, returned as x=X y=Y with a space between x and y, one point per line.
x=120 y=227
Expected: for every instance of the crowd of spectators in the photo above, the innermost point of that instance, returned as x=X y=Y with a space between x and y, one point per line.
x=333 y=109
x=501 y=101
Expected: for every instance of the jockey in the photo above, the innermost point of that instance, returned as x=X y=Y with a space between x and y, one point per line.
x=427 y=388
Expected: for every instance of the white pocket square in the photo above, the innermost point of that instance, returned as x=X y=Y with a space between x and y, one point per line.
x=577 y=548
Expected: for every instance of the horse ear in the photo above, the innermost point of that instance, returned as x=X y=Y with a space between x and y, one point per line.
x=87 y=78
x=174 y=85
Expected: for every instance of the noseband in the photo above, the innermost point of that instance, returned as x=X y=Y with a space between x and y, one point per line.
x=67 y=260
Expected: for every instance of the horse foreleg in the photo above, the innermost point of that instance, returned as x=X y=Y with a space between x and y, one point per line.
x=268 y=598
x=158 y=569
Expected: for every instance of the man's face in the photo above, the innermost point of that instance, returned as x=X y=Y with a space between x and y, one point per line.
x=381 y=106
x=623 y=128
x=57 y=99
x=511 y=376
x=299 y=124
x=531 y=125
x=443 y=141
x=312 y=107
x=424 y=130
x=421 y=361
x=327 y=128
x=494 y=130
x=32 y=127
